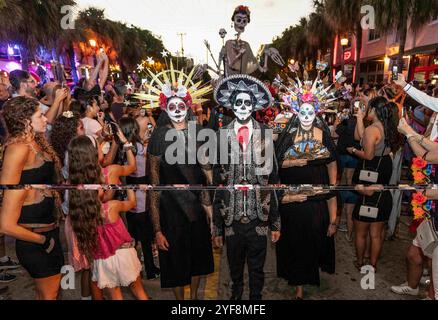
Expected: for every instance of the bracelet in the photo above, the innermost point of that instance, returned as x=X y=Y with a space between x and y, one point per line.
x=425 y=155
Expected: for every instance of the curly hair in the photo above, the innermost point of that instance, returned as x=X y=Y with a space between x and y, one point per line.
x=17 y=115
x=84 y=205
x=386 y=113
x=63 y=131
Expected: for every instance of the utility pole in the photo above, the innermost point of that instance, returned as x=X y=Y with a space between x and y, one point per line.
x=182 y=42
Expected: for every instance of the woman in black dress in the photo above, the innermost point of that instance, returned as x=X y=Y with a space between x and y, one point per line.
x=306 y=155
x=379 y=140
x=179 y=217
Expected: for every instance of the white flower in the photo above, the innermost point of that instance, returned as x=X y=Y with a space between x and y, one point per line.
x=68 y=114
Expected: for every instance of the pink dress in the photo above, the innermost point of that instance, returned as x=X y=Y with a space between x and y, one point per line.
x=116 y=263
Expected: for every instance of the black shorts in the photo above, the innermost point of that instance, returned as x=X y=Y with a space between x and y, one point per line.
x=37 y=261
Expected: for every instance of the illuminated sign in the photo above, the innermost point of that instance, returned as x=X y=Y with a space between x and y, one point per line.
x=347 y=55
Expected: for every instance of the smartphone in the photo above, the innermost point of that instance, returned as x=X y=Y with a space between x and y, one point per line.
x=102 y=50
x=394 y=73
x=356 y=106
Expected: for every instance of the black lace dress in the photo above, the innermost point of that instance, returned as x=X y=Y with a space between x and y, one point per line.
x=179 y=214
x=304 y=248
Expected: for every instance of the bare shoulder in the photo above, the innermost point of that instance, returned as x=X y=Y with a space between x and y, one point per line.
x=17 y=152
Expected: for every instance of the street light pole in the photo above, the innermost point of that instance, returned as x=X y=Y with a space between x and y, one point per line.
x=344 y=43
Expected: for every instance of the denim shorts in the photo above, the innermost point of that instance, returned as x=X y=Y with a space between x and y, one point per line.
x=348 y=161
x=350 y=197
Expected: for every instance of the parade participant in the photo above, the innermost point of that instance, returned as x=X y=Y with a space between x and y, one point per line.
x=29 y=215
x=306 y=155
x=375 y=168
x=179 y=218
x=243 y=215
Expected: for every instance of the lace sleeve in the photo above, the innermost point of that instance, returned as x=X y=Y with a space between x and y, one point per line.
x=154 y=196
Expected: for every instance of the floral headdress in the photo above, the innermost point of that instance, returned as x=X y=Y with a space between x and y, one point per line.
x=314 y=93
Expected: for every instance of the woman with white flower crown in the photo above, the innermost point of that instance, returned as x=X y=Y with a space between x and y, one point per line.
x=179 y=218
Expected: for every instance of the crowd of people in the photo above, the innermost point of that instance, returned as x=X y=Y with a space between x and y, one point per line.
x=92 y=135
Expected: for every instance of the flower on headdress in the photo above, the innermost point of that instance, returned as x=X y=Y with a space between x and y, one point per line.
x=169 y=91
x=68 y=114
x=308 y=97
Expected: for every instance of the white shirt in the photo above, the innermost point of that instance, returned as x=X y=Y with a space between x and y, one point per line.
x=91 y=127
x=422 y=97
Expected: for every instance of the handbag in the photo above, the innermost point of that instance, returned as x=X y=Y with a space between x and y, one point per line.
x=368 y=211
x=371 y=176
x=427 y=236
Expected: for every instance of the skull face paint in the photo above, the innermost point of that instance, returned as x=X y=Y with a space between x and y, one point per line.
x=240 y=22
x=243 y=107
x=307 y=115
x=176 y=110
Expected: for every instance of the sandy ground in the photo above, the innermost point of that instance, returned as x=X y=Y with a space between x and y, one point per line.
x=344 y=285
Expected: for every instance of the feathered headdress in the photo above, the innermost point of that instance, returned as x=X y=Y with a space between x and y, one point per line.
x=172 y=83
x=315 y=93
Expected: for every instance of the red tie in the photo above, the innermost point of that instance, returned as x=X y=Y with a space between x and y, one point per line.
x=242 y=137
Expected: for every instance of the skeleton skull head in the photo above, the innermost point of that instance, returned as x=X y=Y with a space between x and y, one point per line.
x=222 y=33
x=243 y=107
x=307 y=114
x=176 y=110
x=240 y=20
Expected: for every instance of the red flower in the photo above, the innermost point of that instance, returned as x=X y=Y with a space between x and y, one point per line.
x=418 y=199
x=418 y=213
x=419 y=163
x=418 y=176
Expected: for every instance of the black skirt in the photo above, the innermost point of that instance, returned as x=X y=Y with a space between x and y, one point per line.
x=37 y=261
x=304 y=248
x=190 y=250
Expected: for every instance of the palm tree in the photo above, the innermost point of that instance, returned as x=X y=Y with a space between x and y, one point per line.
x=320 y=33
x=31 y=24
x=397 y=14
x=345 y=16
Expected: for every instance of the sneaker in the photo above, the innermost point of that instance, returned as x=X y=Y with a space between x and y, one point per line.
x=9 y=265
x=6 y=277
x=404 y=289
x=343 y=227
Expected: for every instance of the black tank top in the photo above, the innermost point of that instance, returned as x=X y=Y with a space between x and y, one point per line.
x=42 y=212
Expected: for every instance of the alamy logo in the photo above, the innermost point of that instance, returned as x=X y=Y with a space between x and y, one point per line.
x=68 y=281
x=67 y=21
x=220 y=149
x=368 y=21
x=368 y=281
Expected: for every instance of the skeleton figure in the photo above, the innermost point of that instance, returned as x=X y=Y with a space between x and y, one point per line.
x=237 y=55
